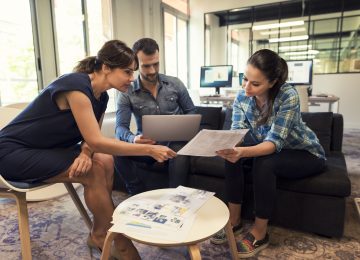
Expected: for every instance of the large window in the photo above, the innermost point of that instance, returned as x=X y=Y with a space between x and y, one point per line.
x=35 y=52
x=327 y=32
x=180 y=5
x=69 y=25
x=176 y=43
x=18 y=79
x=349 y=58
x=99 y=24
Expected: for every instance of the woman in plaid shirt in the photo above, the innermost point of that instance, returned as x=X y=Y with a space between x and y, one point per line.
x=278 y=142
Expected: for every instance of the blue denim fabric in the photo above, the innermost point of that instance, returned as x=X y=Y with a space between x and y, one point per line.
x=172 y=99
x=178 y=168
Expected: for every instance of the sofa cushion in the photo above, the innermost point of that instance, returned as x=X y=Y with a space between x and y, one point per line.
x=333 y=181
x=337 y=133
x=321 y=124
x=211 y=117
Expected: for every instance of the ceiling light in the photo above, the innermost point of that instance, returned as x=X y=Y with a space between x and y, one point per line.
x=295 y=47
x=289 y=39
x=301 y=52
x=237 y=10
x=276 y=25
x=302 y=29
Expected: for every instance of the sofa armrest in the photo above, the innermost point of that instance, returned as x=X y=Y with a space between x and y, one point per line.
x=108 y=125
x=337 y=132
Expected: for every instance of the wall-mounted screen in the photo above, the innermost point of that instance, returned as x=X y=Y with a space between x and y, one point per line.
x=216 y=77
x=300 y=72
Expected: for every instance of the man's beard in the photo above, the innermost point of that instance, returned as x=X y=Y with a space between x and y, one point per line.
x=153 y=79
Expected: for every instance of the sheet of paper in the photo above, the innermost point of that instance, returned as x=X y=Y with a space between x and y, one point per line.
x=207 y=142
x=170 y=217
x=128 y=226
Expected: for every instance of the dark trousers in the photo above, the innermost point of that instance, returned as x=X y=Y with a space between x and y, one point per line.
x=178 y=169
x=289 y=164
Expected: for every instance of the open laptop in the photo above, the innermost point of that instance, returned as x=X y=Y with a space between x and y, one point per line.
x=170 y=127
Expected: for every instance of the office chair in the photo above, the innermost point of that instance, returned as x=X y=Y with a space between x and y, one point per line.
x=18 y=190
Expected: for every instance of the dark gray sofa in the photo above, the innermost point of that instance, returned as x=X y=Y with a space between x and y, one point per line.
x=315 y=204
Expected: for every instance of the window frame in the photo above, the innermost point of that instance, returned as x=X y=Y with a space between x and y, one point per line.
x=178 y=15
x=311 y=19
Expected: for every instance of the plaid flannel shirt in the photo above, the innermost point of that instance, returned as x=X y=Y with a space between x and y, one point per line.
x=284 y=128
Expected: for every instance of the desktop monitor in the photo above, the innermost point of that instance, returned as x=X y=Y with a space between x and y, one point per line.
x=216 y=77
x=300 y=72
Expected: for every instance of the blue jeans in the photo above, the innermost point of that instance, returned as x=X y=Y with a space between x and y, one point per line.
x=178 y=169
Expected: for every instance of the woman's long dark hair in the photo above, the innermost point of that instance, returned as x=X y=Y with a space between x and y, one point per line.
x=114 y=54
x=275 y=69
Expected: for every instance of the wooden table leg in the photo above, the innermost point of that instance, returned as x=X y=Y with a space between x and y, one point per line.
x=231 y=241
x=194 y=252
x=107 y=245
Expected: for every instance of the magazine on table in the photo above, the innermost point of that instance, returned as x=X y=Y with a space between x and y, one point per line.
x=167 y=214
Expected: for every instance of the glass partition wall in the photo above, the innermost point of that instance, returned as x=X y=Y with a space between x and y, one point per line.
x=326 y=32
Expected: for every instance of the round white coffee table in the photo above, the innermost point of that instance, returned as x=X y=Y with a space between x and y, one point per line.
x=209 y=219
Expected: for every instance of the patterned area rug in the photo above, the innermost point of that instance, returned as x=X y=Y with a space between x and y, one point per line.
x=58 y=232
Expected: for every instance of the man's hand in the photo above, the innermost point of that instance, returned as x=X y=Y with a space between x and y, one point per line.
x=81 y=165
x=161 y=153
x=140 y=139
x=231 y=155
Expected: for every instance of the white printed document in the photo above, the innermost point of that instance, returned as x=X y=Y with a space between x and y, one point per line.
x=207 y=142
x=169 y=217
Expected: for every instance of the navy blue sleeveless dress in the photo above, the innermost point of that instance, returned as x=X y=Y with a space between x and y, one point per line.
x=43 y=141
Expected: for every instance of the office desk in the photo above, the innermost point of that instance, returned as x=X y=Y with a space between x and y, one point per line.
x=331 y=100
x=313 y=101
x=225 y=101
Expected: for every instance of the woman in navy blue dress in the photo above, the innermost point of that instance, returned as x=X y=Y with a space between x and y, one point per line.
x=57 y=138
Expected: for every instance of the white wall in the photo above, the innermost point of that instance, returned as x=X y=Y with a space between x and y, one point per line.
x=218 y=41
x=135 y=19
x=345 y=86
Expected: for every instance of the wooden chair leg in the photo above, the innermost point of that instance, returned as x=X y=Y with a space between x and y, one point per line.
x=24 y=231
x=231 y=241
x=107 y=245
x=74 y=196
x=194 y=252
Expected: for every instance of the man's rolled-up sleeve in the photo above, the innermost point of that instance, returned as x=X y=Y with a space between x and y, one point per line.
x=185 y=101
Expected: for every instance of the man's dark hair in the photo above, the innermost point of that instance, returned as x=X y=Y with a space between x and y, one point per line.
x=147 y=45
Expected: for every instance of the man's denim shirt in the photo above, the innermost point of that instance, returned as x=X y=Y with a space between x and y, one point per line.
x=172 y=99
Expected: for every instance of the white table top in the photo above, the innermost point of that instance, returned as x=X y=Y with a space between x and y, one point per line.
x=210 y=218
